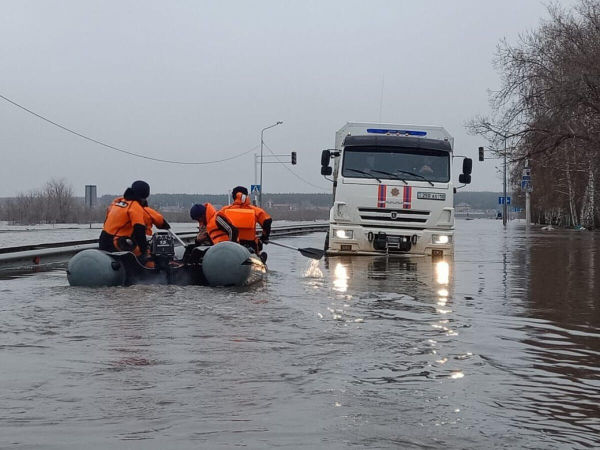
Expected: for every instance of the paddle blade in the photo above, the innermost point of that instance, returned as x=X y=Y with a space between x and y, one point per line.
x=313 y=253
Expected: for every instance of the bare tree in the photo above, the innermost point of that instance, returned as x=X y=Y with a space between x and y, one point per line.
x=54 y=203
x=548 y=110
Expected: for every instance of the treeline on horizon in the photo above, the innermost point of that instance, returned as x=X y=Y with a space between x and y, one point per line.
x=56 y=202
x=187 y=200
x=546 y=114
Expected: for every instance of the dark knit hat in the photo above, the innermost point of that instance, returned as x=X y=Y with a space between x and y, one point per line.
x=140 y=189
x=237 y=189
x=198 y=212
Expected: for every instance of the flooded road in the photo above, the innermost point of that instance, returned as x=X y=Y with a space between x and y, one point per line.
x=497 y=348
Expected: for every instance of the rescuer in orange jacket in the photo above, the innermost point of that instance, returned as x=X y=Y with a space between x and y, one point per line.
x=214 y=226
x=124 y=227
x=153 y=217
x=245 y=217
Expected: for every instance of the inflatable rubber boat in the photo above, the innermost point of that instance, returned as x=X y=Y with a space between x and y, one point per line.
x=223 y=264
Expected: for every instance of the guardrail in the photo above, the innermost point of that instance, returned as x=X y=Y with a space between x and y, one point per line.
x=57 y=253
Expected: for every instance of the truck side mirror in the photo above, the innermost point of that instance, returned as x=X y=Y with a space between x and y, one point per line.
x=464 y=179
x=326 y=170
x=467 y=166
x=325 y=157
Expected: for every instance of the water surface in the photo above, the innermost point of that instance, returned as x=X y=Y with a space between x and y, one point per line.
x=497 y=348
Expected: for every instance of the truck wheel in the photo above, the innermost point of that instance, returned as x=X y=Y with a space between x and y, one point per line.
x=326 y=241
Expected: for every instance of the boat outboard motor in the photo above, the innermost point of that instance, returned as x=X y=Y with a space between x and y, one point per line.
x=162 y=250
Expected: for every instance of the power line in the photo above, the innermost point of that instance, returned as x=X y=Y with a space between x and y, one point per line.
x=294 y=173
x=137 y=155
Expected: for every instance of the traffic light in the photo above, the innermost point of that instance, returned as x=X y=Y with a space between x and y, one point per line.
x=480 y=153
x=293 y=158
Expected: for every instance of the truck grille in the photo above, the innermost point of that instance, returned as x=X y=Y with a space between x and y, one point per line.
x=394 y=217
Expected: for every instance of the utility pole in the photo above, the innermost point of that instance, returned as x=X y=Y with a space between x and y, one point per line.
x=527 y=186
x=504 y=206
x=260 y=193
x=528 y=209
x=256 y=176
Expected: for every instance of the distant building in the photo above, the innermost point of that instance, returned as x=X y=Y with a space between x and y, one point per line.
x=281 y=206
x=462 y=208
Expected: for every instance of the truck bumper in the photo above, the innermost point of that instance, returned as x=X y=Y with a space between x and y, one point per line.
x=359 y=240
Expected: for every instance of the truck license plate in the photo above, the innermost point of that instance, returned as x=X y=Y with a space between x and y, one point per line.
x=431 y=195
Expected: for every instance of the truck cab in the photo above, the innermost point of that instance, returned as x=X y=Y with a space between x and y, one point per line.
x=393 y=190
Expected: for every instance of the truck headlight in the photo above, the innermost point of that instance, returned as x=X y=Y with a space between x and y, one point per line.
x=441 y=239
x=344 y=234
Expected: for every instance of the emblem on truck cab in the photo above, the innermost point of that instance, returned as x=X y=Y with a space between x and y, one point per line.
x=395 y=192
x=394 y=215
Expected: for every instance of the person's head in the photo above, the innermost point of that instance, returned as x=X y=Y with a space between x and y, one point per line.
x=139 y=190
x=198 y=212
x=239 y=189
x=240 y=194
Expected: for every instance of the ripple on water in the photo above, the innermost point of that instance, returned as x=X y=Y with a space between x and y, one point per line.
x=488 y=350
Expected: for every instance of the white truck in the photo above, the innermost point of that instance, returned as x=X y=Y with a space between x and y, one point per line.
x=392 y=190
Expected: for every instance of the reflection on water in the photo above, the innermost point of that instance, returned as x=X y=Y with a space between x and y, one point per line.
x=442 y=272
x=496 y=347
x=341 y=278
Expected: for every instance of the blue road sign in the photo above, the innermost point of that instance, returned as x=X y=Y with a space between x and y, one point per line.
x=508 y=200
x=526 y=178
x=501 y=200
x=255 y=188
x=527 y=186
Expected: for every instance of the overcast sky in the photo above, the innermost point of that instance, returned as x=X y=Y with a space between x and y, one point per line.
x=198 y=80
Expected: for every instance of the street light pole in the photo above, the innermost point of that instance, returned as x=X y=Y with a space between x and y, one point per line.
x=261 y=161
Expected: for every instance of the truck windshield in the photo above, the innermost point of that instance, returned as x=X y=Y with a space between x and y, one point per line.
x=398 y=163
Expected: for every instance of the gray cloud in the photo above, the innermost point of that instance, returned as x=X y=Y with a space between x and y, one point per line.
x=197 y=81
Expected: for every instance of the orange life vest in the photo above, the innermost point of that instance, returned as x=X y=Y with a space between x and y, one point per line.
x=215 y=233
x=121 y=216
x=244 y=220
x=245 y=216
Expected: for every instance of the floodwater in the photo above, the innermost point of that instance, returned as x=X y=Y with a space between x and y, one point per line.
x=497 y=348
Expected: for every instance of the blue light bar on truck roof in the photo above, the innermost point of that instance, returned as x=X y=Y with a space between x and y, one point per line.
x=397 y=132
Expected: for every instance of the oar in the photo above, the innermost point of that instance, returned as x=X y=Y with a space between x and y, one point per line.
x=309 y=252
x=177 y=237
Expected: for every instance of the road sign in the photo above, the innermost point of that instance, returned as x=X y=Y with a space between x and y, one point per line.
x=255 y=189
x=508 y=200
x=516 y=210
x=526 y=178
x=91 y=199
x=501 y=200
x=527 y=185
